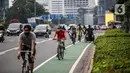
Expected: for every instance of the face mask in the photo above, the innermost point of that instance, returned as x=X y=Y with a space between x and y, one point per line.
x=27 y=33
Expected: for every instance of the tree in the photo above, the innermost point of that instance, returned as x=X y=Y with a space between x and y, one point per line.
x=125 y=18
x=23 y=9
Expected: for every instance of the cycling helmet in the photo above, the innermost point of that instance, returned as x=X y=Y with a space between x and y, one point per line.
x=74 y=26
x=28 y=26
x=59 y=27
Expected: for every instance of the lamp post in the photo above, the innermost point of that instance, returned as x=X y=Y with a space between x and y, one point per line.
x=3 y=15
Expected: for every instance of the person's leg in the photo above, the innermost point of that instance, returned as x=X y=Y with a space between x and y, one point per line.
x=24 y=62
x=32 y=60
x=31 y=67
x=64 y=45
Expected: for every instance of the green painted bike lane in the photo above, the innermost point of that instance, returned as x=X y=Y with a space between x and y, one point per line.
x=63 y=66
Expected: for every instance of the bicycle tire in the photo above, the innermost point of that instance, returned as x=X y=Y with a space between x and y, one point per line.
x=62 y=53
x=27 y=69
x=58 y=55
x=73 y=39
x=24 y=66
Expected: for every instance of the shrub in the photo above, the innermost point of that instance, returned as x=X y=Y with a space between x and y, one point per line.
x=112 y=52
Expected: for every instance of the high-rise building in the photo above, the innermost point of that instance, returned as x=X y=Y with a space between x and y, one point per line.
x=3 y=5
x=72 y=6
x=103 y=6
x=56 y=6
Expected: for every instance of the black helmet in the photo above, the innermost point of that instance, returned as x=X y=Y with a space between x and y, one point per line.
x=28 y=26
x=59 y=27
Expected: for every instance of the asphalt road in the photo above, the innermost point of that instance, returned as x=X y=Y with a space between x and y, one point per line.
x=46 y=48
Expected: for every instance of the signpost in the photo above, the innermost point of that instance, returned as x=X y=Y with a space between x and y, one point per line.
x=45 y=17
x=70 y=16
x=53 y=16
x=119 y=9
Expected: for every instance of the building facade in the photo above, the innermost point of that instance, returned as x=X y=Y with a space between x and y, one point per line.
x=56 y=7
x=4 y=4
x=72 y=6
x=103 y=6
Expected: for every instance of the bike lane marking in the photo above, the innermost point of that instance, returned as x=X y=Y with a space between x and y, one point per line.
x=63 y=66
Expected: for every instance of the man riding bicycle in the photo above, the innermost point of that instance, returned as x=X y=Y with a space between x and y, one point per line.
x=61 y=35
x=89 y=32
x=27 y=43
x=73 y=31
x=80 y=31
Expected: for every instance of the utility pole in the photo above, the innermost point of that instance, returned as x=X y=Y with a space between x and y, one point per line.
x=3 y=15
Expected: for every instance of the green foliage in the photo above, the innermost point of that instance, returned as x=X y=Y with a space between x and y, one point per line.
x=23 y=9
x=112 y=52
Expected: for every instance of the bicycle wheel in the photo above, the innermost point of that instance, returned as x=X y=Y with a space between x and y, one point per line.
x=73 y=39
x=58 y=54
x=24 y=67
x=79 y=38
x=62 y=53
x=28 y=69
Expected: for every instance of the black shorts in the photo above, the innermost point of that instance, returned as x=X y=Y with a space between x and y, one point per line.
x=25 y=48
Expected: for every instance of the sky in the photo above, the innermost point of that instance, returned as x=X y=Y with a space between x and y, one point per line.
x=96 y=2
x=10 y=3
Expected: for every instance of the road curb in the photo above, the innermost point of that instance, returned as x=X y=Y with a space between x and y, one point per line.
x=89 y=67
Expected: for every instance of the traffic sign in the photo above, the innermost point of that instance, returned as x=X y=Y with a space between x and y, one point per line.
x=119 y=9
x=61 y=17
x=44 y=17
x=53 y=16
x=70 y=16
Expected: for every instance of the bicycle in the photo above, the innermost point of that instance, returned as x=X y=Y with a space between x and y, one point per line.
x=73 y=38
x=26 y=65
x=79 y=36
x=60 y=49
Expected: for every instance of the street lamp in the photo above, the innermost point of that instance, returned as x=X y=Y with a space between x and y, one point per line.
x=3 y=15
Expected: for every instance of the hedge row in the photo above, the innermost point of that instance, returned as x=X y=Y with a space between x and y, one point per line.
x=112 y=52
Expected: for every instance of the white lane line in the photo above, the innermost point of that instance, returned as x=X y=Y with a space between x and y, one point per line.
x=44 y=41
x=16 y=48
x=51 y=58
x=77 y=61
x=44 y=62
x=11 y=40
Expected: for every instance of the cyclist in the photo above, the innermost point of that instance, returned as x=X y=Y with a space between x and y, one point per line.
x=27 y=43
x=89 y=32
x=47 y=31
x=80 y=30
x=73 y=32
x=61 y=35
x=64 y=28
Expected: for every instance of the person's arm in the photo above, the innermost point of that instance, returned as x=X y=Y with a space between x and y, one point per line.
x=20 y=47
x=55 y=34
x=33 y=46
x=33 y=43
x=65 y=34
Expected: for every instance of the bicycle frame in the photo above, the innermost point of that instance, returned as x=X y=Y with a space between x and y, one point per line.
x=26 y=64
x=60 y=49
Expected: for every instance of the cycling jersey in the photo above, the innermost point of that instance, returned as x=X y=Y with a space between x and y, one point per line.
x=60 y=34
